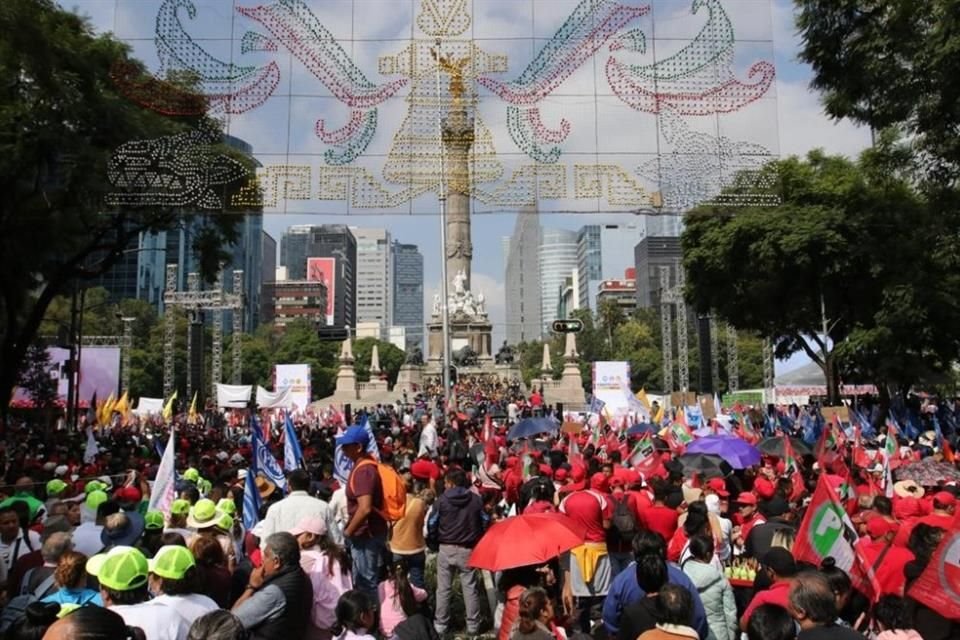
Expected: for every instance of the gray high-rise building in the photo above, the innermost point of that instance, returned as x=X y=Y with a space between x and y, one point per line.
x=408 y=292
x=302 y=242
x=558 y=255
x=374 y=277
x=605 y=252
x=522 y=279
x=268 y=273
x=650 y=255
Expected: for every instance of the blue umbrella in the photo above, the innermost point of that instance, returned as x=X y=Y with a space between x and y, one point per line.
x=642 y=428
x=529 y=427
x=739 y=453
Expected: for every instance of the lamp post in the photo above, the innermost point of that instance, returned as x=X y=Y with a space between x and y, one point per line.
x=444 y=310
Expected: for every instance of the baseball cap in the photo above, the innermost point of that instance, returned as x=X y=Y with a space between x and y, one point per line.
x=944 y=498
x=93 y=485
x=127 y=494
x=598 y=482
x=120 y=569
x=354 y=435
x=718 y=486
x=878 y=526
x=560 y=475
x=191 y=474
x=172 y=562
x=774 y=507
x=746 y=498
x=313 y=525
x=95 y=499
x=227 y=506
x=56 y=487
x=781 y=561
x=180 y=507
x=153 y=520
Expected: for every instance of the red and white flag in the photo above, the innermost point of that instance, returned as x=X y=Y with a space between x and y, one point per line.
x=938 y=587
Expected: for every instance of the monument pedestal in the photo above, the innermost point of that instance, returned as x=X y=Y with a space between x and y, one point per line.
x=409 y=379
x=472 y=332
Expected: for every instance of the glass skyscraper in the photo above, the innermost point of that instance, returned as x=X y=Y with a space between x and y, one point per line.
x=408 y=291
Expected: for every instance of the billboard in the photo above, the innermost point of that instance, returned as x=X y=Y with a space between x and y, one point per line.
x=99 y=372
x=296 y=377
x=324 y=270
x=609 y=379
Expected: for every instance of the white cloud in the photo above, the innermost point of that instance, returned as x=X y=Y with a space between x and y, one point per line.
x=494 y=292
x=805 y=126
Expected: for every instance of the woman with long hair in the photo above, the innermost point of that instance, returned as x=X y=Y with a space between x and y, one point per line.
x=399 y=599
x=536 y=616
x=320 y=555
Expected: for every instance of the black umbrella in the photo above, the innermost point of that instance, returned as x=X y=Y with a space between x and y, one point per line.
x=774 y=446
x=705 y=465
x=659 y=444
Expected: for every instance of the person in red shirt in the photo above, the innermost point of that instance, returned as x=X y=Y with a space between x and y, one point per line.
x=944 y=506
x=660 y=518
x=423 y=468
x=887 y=560
x=591 y=508
x=746 y=519
x=588 y=571
x=779 y=565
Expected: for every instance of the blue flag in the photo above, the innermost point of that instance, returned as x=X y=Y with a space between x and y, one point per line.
x=263 y=460
x=342 y=465
x=292 y=454
x=251 y=502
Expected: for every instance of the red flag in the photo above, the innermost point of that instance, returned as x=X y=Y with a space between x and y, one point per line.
x=575 y=457
x=938 y=587
x=948 y=454
x=826 y=530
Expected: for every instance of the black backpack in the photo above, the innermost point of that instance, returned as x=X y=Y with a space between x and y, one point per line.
x=623 y=525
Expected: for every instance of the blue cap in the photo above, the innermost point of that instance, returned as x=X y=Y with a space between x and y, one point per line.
x=354 y=435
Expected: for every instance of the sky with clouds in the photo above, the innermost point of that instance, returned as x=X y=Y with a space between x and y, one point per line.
x=788 y=120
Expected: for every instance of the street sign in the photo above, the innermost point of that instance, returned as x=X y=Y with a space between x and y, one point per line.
x=567 y=326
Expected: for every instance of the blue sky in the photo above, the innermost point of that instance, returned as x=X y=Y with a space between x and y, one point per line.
x=794 y=119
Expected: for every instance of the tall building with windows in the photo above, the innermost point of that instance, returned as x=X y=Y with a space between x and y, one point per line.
x=336 y=243
x=522 y=279
x=558 y=255
x=650 y=255
x=374 y=277
x=604 y=252
x=408 y=301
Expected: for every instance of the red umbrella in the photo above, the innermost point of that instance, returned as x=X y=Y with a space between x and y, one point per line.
x=529 y=539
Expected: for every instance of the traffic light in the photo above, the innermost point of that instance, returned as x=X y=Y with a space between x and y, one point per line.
x=332 y=334
x=453 y=375
x=567 y=326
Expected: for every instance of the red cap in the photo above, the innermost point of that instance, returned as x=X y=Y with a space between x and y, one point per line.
x=764 y=488
x=616 y=483
x=560 y=475
x=718 y=486
x=127 y=494
x=747 y=498
x=598 y=482
x=578 y=473
x=546 y=470
x=878 y=526
x=945 y=498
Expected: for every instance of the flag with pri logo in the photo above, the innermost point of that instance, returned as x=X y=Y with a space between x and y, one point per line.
x=263 y=460
x=938 y=587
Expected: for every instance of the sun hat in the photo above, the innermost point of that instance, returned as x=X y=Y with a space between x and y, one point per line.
x=153 y=520
x=95 y=499
x=264 y=487
x=180 y=507
x=56 y=487
x=224 y=521
x=907 y=489
x=310 y=524
x=121 y=569
x=172 y=562
x=354 y=435
x=228 y=506
x=122 y=529
x=203 y=514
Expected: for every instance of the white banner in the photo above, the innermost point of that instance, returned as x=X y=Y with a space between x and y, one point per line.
x=296 y=378
x=609 y=379
x=235 y=396
x=163 y=490
x=149 y=406
x=274 y=399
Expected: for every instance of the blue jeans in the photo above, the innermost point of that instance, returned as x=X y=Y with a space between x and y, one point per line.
x=368 y=556
x=416 y=564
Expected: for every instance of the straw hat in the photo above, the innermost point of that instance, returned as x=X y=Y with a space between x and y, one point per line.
x=907 y=489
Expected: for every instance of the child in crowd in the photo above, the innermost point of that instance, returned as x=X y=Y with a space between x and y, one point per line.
x=398 y=598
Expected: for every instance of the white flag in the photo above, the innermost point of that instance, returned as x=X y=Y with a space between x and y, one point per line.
x=92 y=449
x=164 y=485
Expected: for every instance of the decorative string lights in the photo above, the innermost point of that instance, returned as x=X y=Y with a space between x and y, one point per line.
x=515 y=159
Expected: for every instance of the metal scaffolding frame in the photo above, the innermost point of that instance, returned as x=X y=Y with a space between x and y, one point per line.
x=733 y=364
x=672 y=297
x=666 y=330
x=195 y=300
x=715 y=353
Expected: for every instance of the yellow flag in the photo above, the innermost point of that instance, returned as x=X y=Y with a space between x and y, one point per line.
x=106 y=411
x=192 y=413
x=657 y=419
x=168 y=408
x=642 y=397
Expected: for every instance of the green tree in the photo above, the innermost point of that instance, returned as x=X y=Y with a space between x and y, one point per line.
x=35 y=378
x=390 y=356
x=609 y=317
x=62 y=119
x=835 y=259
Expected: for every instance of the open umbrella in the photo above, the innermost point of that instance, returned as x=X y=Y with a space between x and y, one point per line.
x=642 y=428
x=528 y=539
x=532 y=426
x=928 y=472
x=774 y=446
x=739 y=453
x=705 y=465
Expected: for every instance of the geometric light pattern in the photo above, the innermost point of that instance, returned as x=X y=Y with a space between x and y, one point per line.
x=596 y=74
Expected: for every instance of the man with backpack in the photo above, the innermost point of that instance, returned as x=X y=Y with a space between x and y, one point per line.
x=366 y=530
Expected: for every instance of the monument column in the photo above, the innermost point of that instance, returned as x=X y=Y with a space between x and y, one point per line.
x=457 y=140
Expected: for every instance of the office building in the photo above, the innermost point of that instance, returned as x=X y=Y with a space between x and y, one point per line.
x=650 y=255
x=569 y=295
x=522 y=279
x=604 y=252
x=331 y=252
x=408 y=300
x=558 y=255
x=374 y=277
x=296 y=300
x=621 y=290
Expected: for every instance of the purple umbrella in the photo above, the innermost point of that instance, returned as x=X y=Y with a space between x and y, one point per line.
x=739 y=453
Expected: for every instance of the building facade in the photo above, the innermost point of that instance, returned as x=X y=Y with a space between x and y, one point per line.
x=374 y=277
x=334 y=241
x=296 y=300
x=650 y=255
x=408 y=300
x=558 y=255
x=604 y=252
x=522 y=279
x=623 y=291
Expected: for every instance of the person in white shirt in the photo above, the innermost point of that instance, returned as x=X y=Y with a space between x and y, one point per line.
x=15 y=542
x=123 y=573
x=428 y=438
x=287 y=513
x=173 y=581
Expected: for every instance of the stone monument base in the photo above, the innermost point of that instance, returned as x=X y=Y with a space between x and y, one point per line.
x=472 y=332
x=409 y=379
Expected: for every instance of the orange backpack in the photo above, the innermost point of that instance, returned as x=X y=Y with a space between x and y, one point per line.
x=393 y=488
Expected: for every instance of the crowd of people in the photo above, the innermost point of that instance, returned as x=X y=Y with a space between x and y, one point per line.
x=374 y=536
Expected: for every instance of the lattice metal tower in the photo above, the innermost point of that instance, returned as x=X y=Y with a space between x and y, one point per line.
x=714 y=353
x=666 y=330
x=733 y=365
